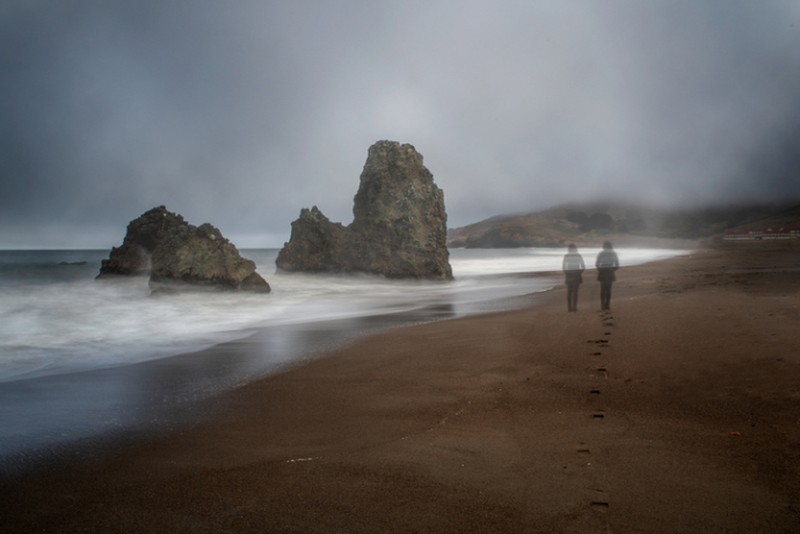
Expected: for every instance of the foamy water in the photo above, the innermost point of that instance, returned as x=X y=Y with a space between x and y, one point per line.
x=56 y=318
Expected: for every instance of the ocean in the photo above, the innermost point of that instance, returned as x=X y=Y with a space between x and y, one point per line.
x=81 y=358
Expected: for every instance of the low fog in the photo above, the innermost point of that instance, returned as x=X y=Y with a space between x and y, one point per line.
x=242 y=113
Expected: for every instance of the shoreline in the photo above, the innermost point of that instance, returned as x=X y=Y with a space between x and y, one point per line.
x=91 y=421
x=67 y=397
x=676 y=411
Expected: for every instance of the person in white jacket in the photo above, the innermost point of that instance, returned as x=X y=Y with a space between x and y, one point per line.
x=573 y=268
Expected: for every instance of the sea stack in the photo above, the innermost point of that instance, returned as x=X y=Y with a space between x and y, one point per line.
x=399 y=229
x=176 y=254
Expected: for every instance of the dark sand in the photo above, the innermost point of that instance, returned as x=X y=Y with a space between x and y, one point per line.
x=677 y=411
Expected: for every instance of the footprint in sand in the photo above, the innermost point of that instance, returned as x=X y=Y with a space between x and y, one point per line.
x=600 y=502
x=600 y=506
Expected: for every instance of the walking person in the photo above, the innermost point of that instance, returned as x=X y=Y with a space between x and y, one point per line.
x=607 y=263
x=573 y=268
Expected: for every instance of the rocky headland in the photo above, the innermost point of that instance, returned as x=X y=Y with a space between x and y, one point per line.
x=177 y=254
x=399 y=229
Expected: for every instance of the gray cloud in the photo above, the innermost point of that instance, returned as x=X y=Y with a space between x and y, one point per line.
x=241 y=113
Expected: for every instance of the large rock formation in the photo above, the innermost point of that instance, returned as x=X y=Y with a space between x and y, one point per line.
x=173 y=252
x=399 y=228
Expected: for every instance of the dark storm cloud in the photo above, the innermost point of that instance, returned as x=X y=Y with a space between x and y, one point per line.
x=240 y=113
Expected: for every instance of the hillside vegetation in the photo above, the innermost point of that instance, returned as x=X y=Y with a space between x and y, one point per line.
x=586 y=223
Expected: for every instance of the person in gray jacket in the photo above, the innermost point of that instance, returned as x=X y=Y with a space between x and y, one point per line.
x=607 y=264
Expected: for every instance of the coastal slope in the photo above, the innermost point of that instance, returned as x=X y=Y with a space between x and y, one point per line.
x=637 y=225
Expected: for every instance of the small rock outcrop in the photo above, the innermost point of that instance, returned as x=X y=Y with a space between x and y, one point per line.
x=399 y=229
x=314 y=245
x=173 y=253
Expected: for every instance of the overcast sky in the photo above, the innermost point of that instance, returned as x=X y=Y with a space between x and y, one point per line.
x=240 y=113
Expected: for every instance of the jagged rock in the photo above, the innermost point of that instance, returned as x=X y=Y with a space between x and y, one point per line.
x=313 y=243
x=144 y=233
x=399 y=228
x=175 y=253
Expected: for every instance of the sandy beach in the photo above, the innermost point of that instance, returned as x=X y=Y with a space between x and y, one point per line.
x=676 y=411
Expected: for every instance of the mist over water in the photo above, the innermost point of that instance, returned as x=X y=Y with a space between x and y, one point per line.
x=56 y=318
x=74 y=351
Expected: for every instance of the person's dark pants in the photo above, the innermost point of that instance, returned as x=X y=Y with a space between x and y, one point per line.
x=572 y=296
x=605 y=295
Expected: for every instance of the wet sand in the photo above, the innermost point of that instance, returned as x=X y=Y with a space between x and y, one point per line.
x=677 y=411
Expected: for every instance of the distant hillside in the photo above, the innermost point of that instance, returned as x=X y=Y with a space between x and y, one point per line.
x=586 y=223
x=788 y=218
